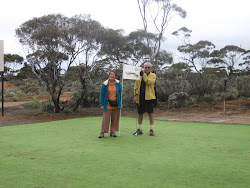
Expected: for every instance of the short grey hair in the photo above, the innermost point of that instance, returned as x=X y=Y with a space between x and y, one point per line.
x=147 y=63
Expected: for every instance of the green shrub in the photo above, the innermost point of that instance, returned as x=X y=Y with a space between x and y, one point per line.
x=48 y=106
x=13 y=92
x=242 y=84
x=166 y=87
x=232 y=94
x=35 y=104
x=91 y=93
x=128 y=94
x=193 y=99
x=178 y=100
x=15 y=98
x=16 y=82
x=218 y=96
x=67 y=110
x=30 y=87
x=213 y=97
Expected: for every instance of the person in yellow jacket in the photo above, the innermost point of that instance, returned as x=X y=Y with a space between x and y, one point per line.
x=144 y=96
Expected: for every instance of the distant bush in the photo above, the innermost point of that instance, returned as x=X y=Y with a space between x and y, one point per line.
x=178 y=100
x=48 y=106
x=213 y=97
x=15 y=98
x=165 y=87
x=14 y=92
x=128 y=94
x=16 y=82
x=30 y=87
x=242 y=84
x=207 y=98
x=232 y=94
x=67 y=110
x=91 y=93
x=35 y=104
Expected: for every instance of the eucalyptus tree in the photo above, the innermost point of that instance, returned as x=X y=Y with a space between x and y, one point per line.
x=197 y=55
x=183 y=34
x=165 y=58
x=246 y=61
x=177 y=75
x=53 y=44
x=139 y=52
x=47 y=66
x=229 y=56
x=136 y=45
x=158 y=13
x=25 y=72
x=83 y=41
x=112 y=53
x=11 y=62
x=178 y=69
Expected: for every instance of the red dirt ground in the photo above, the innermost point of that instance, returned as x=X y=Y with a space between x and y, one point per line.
x=237 y=112
x=8 y=86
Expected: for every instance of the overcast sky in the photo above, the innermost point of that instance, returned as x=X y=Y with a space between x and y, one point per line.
x=222 y=22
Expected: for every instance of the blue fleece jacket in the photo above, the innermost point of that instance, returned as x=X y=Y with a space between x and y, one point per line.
x=103 y=100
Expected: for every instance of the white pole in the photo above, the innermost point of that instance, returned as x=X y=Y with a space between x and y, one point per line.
x=2 y=71
x=1 y=56
x=121 y=109
x=224 y=106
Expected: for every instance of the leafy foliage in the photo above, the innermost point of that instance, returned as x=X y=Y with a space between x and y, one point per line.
x=228 y=56
x=35 y=104
x=178 y=100
x=30 y=87
x=54 y=42
x=242 y=85
x=75 y=54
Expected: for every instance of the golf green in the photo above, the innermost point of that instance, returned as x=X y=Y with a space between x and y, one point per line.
x=68 y=153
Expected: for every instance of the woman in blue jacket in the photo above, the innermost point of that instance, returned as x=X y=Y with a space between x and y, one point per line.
x=110 y=102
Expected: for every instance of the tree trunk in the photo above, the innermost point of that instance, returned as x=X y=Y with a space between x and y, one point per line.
x=79 y=101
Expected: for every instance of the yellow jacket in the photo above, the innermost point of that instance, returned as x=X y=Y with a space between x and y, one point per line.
x=150 y=83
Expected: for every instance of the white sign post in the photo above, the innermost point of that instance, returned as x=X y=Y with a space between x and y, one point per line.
x=1 y=57
x=225 y=87
x=2 y=70
x=132 y=73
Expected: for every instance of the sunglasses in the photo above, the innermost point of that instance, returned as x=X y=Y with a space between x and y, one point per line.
x=147 y=67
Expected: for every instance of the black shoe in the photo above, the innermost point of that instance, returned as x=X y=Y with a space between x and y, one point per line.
x=112 y=134
x=101 y=135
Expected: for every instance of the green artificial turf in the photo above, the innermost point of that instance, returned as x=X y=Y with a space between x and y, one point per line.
x=68 y=153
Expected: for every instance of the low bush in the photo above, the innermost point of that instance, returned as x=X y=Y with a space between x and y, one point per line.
x=232 y=93
x=242 y=84
x=48 y=106
x=128 y=94
x=30 y=87
x=178 y=100
x=15 y=98
x=14 y=92
x=213 y=97
x=35 y=104
x=67 y=110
